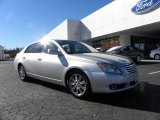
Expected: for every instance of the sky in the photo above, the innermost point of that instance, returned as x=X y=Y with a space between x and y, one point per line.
x=25 y=21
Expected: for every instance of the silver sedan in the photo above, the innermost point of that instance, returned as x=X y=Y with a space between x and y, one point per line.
x=77 y=66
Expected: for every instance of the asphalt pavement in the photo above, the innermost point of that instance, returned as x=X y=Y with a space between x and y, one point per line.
x=37 y=100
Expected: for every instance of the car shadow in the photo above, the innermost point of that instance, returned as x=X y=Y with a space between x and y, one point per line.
x=48 y=85
x=144 y=97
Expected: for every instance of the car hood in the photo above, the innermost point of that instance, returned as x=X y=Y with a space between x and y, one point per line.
x=101 y=57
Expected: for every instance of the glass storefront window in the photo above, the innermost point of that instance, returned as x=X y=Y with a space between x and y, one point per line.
x=145 y=43
x=107 y=43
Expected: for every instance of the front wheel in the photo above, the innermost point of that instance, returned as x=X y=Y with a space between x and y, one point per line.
x=157 y=57
x=138 y=58
x=78 y=84
x=22 y=73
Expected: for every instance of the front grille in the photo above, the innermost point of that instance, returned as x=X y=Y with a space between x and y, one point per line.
x=131 y=68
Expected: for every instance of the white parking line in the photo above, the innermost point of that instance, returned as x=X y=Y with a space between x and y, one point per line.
x=154 y=72
x=157 y=61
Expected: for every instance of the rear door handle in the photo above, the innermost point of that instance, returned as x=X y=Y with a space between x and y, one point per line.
x=39 y=59
x=24 y=57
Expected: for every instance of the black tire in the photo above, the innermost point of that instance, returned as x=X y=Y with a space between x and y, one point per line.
x=138 y=58
x=157 y=57
x=79 y=87
x=22 y=73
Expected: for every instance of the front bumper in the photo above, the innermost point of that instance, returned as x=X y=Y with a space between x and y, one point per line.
x=104 y=83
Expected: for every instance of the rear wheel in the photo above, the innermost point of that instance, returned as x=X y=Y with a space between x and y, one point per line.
x=78 y=84
x=157 y=57
x=22 y=73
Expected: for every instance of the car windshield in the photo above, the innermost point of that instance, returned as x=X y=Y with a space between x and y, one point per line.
x=74 y=47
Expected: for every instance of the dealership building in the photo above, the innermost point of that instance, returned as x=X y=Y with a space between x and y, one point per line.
x=1 y=53
x=121 y=22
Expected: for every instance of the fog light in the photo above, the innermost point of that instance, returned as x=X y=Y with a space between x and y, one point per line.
x=113 y=87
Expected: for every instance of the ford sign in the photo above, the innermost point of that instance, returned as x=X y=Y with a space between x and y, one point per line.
x=145 y=6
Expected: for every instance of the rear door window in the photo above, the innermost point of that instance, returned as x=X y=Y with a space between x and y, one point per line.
x=34 y=48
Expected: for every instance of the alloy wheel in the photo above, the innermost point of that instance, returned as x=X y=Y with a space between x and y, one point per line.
x=157 y=57
x=139 y=58
x=77 y=84
x=22 y=73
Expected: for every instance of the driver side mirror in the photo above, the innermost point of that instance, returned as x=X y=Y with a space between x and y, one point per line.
x=54 y=51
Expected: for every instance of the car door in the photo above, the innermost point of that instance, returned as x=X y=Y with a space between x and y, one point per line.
x=133 y=52
x=49 y=66
x=30 y=58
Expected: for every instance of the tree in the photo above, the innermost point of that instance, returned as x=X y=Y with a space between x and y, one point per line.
x=12 y=52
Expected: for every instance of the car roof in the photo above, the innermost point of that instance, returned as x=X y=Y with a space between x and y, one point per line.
x=62 y=40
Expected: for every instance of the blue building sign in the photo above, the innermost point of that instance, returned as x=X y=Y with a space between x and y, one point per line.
x=145 y=6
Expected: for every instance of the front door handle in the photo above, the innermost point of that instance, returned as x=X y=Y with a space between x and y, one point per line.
x=39 y=59
x=24 y=57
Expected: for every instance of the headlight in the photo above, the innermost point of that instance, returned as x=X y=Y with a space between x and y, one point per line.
x=109 y=68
